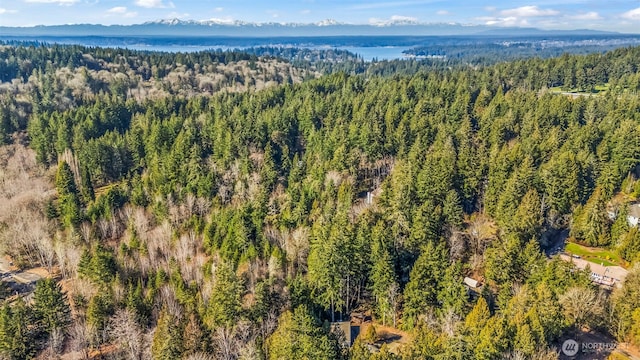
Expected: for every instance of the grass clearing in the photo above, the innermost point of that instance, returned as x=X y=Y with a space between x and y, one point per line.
x=595 y=255
x=597 y=89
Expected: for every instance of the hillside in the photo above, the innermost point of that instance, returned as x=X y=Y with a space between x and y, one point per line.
x=235 y=221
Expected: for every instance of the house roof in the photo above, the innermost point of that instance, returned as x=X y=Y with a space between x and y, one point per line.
x=345 y=328
x=613 y=272
x=471 y=282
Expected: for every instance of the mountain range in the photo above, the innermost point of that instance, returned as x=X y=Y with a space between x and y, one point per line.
x=235 y=28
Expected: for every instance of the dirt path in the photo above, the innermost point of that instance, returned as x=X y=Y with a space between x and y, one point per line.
x=20 y=282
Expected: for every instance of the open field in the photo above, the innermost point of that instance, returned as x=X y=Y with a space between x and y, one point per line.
x=595 y=255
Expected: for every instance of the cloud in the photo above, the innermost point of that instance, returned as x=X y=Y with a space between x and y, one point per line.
x=117 y=10
x=395 y=19
x=633 y=14
x=305 y=12
x=528 y=11
x=403 y=18
x=442 y=12
x=225 y=20
x=122 y=12
x=503 y=21
x=591 y=15
x=517 y=16
x=59 y=2
x=219 y=9
x=151 y=4
x=6 y=11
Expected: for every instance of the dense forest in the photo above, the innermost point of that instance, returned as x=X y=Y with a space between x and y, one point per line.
x=180 y=217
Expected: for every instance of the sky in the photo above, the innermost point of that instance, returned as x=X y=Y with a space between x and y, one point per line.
x=612 y=15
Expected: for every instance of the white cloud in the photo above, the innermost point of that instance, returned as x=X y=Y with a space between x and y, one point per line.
x=528 y=11
x=633 y=14
x=591 y=15
x=503 y=21
x=158 y=4
x=117 y=10
x=59 y=2
x=519 y=16
x=219 y=9
x=225 y=20
x=6 y=11
x=395 y=19
x=442 y=12
x=403 y=18
x=122 y=12
x=305 y=12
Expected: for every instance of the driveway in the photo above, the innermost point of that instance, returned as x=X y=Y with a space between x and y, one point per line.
x=20 y=282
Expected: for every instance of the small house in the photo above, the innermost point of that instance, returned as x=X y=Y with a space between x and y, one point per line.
x=345 y=328
x=471 y=283
x=607 y=277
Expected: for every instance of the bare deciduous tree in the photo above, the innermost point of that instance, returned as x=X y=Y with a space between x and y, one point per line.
x=127 y=334
x=583 y=306
x=481 y=232
x=168 y=300
x=450 y=322
x=227 y=345
x=199 y=356
x=234 y=343
x=79 y=336
x=457 y=245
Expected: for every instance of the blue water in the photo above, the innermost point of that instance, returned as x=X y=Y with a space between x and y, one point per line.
x=368 y=53
x=380 y=53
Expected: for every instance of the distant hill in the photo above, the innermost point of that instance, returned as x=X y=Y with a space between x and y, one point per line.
x=176 y=27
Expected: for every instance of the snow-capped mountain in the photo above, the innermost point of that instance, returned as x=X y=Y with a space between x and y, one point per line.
x=227 y=27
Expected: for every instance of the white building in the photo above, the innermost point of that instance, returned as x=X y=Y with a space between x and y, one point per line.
x=605 y=276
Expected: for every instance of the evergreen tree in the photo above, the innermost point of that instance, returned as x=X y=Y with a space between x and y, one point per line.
x=383 y=281
x=426 y=344
x=424 y=283
x=524 y=341
x=493 y=339
x=88 y=194
x=528 y=217
x=452 y=209
x=100 y=307
x=69 y=201
x=225 y=302
x=298 y=336
x=50 y=306
x=452 y=294
x=17 y=337
x=475 y=321
x=590 y=223
x=167 y=339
